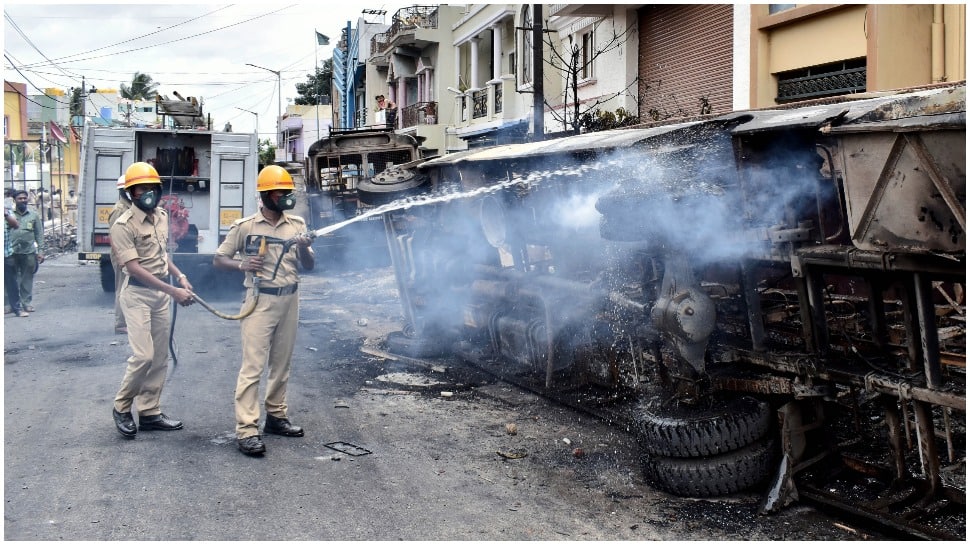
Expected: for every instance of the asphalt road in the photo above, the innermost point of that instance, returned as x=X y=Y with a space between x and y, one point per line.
x=417 y=463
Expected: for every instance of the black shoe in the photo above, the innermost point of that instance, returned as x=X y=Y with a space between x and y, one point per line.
x=125 y=423
x=158 y=422
x=281 y=426
x=251 y=446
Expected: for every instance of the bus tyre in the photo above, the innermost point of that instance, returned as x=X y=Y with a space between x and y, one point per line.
x=713 y=426
x=711 y=476
x=107 y=277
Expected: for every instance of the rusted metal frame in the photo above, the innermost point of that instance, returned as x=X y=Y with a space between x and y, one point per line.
x=854 y=258
x=894 y=427
x=939 y=180
x=815 y=297
x=839 y=193
x=901 y=389
x=877 y=312
x=905 y=390
x=930 y=343
x=879 y=191
x=926 y=322
x=752 y=303
x=892 y=523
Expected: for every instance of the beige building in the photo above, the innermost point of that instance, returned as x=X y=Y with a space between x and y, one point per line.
x=410 y=63
x=804 y=51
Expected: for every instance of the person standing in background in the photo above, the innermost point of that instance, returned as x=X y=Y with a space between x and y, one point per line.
x=27 y=242
x=9 y=276
x=121 y=205
x=72 y=208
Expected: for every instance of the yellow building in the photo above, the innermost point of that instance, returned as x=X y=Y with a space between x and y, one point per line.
x=805 y=51
x=14 y=110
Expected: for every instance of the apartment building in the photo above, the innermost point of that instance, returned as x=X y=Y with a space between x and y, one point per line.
x=464 y=75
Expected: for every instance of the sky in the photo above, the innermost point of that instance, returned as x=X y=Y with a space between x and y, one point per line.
x=198 y=50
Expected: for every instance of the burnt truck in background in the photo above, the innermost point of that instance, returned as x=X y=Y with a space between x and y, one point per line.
x=336 y=168
x=768 y=298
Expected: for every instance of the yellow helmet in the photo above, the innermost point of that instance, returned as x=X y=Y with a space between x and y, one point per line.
x=274 y=177
x=141 y=173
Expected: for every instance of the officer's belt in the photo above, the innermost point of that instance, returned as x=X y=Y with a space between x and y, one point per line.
x=285 y=290
x=132 y=281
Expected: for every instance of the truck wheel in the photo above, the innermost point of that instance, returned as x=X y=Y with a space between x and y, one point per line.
x=392 y=184
x=713 y=426
x=711 y=476
x=107 y=277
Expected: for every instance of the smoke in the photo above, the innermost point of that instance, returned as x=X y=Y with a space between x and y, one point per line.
x=500 y=244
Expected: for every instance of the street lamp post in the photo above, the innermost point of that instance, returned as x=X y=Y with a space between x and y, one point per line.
x=257 y=122
x=279 y=102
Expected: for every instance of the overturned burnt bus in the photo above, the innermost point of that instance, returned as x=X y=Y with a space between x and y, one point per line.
x=769 y=298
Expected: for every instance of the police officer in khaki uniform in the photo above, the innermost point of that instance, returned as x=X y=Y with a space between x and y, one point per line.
x=139 y=239
x=123 y=204
x=268 y=334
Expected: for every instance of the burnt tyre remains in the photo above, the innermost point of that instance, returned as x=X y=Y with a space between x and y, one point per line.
x=398 y=342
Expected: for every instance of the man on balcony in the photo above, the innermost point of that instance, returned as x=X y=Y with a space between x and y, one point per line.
x=389 y=108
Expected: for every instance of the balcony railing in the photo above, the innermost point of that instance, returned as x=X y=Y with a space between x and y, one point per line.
x=479 y=103
x=419 y=113
x=498 y=97
x=405 y=20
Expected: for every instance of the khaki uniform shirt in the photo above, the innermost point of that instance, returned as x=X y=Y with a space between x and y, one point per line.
x=136 y=236
x=116 y=212
x=257 y=225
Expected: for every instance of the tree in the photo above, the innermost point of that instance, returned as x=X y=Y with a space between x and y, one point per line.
x=142 y=87
x=77 y=102
x=572 y=62
x=317 y=85
x=267 y=152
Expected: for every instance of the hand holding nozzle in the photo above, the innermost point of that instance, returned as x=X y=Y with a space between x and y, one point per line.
x=254 y=263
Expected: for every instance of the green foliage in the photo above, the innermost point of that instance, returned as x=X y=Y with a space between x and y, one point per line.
x=267 y=152
x=142 y=87
x=316 y=86
x=77 y=102
x=599 y=120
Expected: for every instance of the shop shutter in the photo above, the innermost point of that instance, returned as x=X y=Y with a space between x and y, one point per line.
x=685 y=55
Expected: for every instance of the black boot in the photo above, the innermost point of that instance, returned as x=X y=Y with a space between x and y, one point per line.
x=125 y=423
x=159 y=422
x=281 y=426
x=251 y=446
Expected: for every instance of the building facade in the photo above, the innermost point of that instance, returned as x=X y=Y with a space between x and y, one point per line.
x=465 y=76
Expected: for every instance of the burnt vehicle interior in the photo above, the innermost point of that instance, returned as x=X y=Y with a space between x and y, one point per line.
x=341 y=166
x=770 y=299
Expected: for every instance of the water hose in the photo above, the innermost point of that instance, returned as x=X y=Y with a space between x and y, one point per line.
x=254 y=296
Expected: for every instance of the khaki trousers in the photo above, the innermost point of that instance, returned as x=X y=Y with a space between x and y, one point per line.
x=268 y=335
x=148 y=317
x=119 y=283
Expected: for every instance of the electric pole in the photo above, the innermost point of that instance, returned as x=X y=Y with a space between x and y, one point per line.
x=538 y=96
